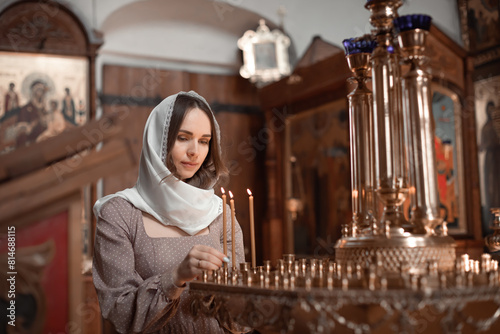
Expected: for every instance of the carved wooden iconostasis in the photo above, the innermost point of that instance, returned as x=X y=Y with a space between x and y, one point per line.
x=309 y=194
x=47 y=166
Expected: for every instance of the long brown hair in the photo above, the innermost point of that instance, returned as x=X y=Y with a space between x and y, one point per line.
x=213 y=167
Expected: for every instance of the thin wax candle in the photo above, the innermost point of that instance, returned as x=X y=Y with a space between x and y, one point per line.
x=224 y=221
x=252 y=227
x=233 y=223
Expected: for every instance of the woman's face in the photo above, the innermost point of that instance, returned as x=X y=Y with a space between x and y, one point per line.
x=192 y=143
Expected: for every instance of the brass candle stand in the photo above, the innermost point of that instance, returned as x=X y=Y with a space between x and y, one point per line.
x=319 y=295
x=364 y=205
x=392 y=239
x=417 y=109
x=391 y=179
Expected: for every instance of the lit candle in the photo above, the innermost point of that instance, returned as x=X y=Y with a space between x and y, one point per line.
x=412 y=190
x=224 y=221
x=233 y=223
x=355 y=204
x=252 y=227
x=355 y=194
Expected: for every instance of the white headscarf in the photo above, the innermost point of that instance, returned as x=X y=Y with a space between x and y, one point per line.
x=168 y=199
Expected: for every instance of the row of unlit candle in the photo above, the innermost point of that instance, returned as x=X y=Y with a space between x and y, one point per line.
x=323 y=273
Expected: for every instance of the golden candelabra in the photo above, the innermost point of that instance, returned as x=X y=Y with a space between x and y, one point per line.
x=397 y=140
x=389 y=272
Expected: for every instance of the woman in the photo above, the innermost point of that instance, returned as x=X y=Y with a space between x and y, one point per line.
x=155 y=237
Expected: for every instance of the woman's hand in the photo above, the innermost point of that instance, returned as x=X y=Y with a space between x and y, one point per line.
x=199 y=258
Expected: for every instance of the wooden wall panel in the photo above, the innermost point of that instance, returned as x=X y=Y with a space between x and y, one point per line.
x=244 y=153
x=224 y=89
x=133 y=125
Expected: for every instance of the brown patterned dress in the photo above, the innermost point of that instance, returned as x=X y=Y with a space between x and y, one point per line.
x=132 y=273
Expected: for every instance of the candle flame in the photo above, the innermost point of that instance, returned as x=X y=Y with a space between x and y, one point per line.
x=222 y=189
x=249 y=192
x=230 y=194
